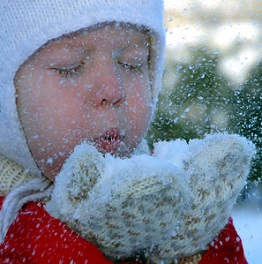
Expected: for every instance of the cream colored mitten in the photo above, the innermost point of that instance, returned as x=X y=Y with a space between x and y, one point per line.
x=215 y=169
x=122 y=205
x=168 y=206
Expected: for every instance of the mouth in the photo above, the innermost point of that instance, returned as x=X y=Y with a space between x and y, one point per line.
x=110 y=141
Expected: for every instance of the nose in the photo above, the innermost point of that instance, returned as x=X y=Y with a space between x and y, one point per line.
x=107 y=85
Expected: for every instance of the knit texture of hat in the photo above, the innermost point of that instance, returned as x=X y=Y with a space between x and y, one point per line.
x=26 y=25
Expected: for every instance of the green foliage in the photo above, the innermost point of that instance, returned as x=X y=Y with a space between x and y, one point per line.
x=246 y=116
x=202 y=101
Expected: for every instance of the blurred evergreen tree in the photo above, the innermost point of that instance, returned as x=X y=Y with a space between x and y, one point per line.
x=246 y=115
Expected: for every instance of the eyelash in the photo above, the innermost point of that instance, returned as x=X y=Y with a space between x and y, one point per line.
x=130 y=67
x=70 y=72
x=77 y=70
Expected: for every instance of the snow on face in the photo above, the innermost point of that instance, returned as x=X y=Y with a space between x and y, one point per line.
x=92 y=85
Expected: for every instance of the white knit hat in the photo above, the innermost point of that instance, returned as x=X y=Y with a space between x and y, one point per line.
x=28 y=24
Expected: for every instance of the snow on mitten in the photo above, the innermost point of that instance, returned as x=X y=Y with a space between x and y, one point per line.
x=216 y=169
x=121 y=205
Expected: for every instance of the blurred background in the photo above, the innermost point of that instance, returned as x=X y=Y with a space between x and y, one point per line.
x=213 y=82
x=213 y=76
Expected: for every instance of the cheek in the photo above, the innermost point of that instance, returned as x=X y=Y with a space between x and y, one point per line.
x=140 y=94
x=48 y=115
x=140 y=104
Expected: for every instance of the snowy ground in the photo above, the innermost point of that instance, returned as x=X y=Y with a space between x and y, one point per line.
x=248 y=222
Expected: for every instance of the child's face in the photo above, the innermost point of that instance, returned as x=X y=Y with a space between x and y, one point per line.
x=92 y=85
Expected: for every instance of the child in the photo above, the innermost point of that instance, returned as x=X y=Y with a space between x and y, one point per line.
x=73 y=72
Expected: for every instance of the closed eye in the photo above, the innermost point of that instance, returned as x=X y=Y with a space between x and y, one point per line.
x=70 y=71
x=131 y=67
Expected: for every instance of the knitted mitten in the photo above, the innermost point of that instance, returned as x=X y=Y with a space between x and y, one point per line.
x=215 y=169
x=121 y=205
x=169 y=205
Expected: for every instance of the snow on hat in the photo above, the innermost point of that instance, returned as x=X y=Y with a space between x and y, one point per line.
x=26 y=25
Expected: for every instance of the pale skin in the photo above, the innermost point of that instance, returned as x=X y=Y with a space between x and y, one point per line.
x=93 y=85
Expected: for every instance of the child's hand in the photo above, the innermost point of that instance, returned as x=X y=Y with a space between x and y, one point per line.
x=121 y=205
x=216 y=173
x=169 y=205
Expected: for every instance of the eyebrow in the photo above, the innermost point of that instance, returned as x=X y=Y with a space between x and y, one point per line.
x=56 y=44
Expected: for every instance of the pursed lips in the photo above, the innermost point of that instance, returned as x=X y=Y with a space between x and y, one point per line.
x=109 y=141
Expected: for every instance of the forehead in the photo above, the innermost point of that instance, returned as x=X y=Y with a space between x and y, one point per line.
x=104 y=35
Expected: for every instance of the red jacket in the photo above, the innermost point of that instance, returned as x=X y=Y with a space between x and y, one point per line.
x=36 y=237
